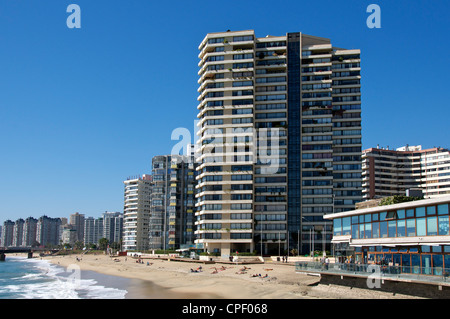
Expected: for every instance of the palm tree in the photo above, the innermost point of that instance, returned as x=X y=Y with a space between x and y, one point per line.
x=78 y=245
x=103 y=244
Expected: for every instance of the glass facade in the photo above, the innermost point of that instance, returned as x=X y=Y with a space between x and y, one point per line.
x=411 y=258
x=294 y=133
x=421 y=259
x=421 y=221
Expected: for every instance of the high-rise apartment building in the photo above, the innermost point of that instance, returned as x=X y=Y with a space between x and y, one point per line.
x=388 y=172
x=93 y=230
x=279 y=140
x=68 y=234
x=77 y=221
x=112 y=226
x=29 y=232
x=7 y=233
x=48 y=231
x=136 y=211
x=173 y=201
x=18 y=232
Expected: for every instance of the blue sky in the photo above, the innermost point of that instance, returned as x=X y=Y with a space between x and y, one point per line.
x=83 y=109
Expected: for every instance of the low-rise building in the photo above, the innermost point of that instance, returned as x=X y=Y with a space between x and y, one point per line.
x=413 y=236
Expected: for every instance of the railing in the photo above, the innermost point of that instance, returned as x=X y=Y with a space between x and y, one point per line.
x=436 y=275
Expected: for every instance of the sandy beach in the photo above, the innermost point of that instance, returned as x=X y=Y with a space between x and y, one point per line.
x=173 y=279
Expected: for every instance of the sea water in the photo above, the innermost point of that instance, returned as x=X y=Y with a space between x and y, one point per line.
x=22 y=278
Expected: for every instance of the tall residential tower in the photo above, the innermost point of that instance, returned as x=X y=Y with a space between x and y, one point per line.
x=136 y=212
x=172 y=204
x=279 y=140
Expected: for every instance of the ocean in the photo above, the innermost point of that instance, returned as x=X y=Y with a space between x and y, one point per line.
x=22 y=278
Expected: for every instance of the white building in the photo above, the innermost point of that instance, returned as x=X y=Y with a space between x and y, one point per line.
x=93 y=230
x=391 y=172
x=112 y=226
x=136 y=210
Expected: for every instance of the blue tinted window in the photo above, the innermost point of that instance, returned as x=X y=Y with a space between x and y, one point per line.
x=420 y=211
x=443 y=225
x=383 y=230
x=368 y=230
x=437 y=265
x=410 y=213
x=411 y=227
x=421 y=227
x=392 y=228
x=337 y=226
x=346 y=227
x=401 y=229
x=431 y=226
x=355 y=231
x=442 y=209
x=375 y=230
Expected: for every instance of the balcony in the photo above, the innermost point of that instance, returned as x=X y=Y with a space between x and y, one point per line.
x=412 y=274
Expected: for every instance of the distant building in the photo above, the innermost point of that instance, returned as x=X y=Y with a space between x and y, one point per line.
x=68 y=235
x=172 y=201
x=93 y=230
x=392 y=172
x=48 y=231
x=77 y=220
x=7 y=233
x=112 y=226
x=136 y=213
x=18 y=232
x=29 y=232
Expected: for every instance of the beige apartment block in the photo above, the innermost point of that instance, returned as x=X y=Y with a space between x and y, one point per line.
x=279 y=141
x=391 y=172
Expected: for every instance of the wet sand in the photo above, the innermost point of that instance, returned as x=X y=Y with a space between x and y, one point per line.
x=163 y=279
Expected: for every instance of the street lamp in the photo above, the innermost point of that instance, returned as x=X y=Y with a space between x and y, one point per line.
x=311 y=238
x=279 y=244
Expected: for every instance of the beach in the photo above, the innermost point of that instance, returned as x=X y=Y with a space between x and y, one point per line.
x=164 y=279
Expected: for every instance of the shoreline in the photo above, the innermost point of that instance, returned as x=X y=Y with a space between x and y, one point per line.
x=162 y=279
x=174 y=280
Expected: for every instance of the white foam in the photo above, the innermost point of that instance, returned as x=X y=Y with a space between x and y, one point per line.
x=50 y=283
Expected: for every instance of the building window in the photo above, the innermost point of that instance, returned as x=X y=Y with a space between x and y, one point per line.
x=243 y=38
x=443 y=225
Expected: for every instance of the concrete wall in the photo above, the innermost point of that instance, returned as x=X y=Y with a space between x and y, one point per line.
x=395 y=287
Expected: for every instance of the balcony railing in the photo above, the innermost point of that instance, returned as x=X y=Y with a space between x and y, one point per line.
x=433 y=275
